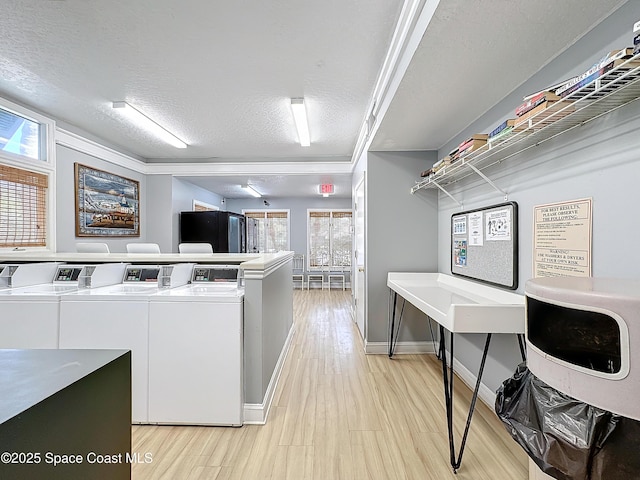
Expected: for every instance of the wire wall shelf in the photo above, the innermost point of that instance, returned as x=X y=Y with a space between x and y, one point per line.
x=614 y=89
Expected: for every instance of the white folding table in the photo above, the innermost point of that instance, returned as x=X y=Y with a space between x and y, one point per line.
x=458 y=306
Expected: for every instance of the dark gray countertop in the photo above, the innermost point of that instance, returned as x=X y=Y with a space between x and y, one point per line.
x=30 y=376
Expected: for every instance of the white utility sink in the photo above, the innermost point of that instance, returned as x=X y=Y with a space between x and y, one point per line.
x=461 y=306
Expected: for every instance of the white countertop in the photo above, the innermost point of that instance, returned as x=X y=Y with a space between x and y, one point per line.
x=461 y=306
x=247 y=261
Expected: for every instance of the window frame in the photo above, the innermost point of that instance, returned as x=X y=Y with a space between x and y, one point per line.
x=331 y=211
x=44 y=166
x=206 y=206
x=266 y=211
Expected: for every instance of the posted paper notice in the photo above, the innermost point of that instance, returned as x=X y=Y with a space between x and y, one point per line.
x=562 y=239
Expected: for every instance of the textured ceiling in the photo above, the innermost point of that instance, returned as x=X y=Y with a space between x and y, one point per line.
x=474 y=54
x=274 y=185
x=220 y=74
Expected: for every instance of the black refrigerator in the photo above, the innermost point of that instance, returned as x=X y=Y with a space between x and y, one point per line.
x=225 y=231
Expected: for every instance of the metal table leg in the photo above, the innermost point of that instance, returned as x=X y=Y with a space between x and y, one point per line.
x=522 y=345
x=447 y=377
x=394 y=328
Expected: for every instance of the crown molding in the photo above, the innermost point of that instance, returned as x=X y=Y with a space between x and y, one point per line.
x=80 y=144
x=77 y=142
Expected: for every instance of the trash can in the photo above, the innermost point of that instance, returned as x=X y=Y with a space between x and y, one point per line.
x=566 y=438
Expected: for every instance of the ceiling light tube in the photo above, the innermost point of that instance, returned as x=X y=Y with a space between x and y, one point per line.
x=300 y=119
x=251 y=191
x=145 y=122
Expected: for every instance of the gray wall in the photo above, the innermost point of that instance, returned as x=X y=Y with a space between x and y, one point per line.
x=297 y=213
x=599 y=160
x=401 y=236
x=159 y=212
x=65 y=200
x=268 y=318
x=183 y=194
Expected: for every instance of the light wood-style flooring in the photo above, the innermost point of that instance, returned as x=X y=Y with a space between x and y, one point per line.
x=339 y=414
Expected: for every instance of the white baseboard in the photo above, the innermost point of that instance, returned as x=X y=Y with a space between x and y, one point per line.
x=485 y=394
x=257 y=413
x=402 y=348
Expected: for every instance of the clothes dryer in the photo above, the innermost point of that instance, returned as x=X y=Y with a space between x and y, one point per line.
x=29 y=315
x=118 y=317
x=196 y=350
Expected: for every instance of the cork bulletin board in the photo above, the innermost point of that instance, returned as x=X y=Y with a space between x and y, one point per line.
x=484 y=244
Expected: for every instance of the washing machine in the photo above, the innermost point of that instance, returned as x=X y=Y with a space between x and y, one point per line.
x=27 y=319
x=117 y=316
x=26 y=274
x=196 y=350
x=29 y=315
x=4 y=266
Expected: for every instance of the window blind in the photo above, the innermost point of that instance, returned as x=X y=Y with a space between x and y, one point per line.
x=329 y=239
x=23 y=207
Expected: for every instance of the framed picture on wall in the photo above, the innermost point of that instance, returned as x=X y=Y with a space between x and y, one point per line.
x=107 y=205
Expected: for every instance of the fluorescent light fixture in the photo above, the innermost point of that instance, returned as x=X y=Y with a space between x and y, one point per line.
x=251 y=191
x=145 y=122
x=300 y=118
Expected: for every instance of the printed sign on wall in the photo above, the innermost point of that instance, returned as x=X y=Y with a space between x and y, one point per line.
x=562 y=239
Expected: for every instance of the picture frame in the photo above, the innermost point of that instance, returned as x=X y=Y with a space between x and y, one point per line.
x=107 y=205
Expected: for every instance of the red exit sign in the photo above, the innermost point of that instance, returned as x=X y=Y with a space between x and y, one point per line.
x=326 y=188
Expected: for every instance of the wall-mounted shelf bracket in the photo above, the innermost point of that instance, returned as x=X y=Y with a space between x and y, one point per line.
x=488 y=180
x=447 y=193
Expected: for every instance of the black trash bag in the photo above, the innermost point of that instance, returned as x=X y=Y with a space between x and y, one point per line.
x=566 y=438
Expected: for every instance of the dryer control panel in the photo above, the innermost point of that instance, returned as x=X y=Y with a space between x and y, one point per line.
x=66 y=274
x=215 y=273
x=139 y=274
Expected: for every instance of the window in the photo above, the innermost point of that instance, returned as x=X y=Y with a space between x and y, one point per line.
x=199 y=206
x=329 y=238
x=23 y=207
x=272 y=230
x=20 y=136
x=27 y=160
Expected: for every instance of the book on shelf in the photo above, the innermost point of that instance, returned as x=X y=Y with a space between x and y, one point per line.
x=500 y=128
x=636 y=38
x=470 y=145
x=472 y=148
x=551 y=108
x=502 y=133
x=535 y=100
x=439 y=165
x=605 y=64
x=477 y=137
